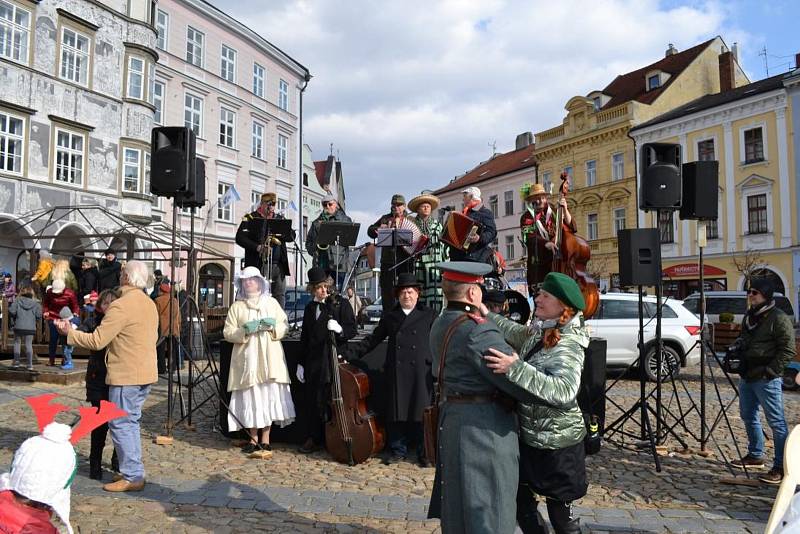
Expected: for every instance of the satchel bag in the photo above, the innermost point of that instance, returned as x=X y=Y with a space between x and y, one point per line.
x=430 y=415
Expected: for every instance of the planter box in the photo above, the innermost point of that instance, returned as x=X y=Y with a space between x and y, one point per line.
x=725 y=334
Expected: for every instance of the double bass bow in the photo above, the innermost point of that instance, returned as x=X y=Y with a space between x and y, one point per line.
x=352 y=435
x=571 y=254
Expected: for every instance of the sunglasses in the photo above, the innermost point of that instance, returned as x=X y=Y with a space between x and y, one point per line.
x=328 y=203
x=753 y=292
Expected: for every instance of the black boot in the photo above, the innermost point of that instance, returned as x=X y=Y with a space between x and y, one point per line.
x=115 y=462
x=528 y=517
x=561 y=517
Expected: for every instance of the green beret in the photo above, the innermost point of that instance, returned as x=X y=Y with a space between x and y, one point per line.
x=564 y=289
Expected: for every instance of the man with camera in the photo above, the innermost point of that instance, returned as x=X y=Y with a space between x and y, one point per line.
x=765 y=346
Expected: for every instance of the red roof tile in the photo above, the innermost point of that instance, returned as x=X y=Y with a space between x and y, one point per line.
x=320 y=168
x=499 y=165
x=633 y=86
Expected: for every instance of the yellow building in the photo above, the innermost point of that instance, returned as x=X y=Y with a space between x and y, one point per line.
x=749 y=130
x=593 y=147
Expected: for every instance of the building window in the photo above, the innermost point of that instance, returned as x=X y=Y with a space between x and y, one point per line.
x=568 y=170
x=618 y=166
x=493 y=205
x=227 y=121
x=14 y=32
x=12 y=137
x=705 y=150
x=258 y=80
x=193 y=114
x=653 y=82
x=666 y=227
x=619 y=220
x=283 y=149
x=69 y=157
x=509 y=247
x=508 y=197
x=757 y=214
x=146 y=183
x=194 y=47
x=228 y=64
x=135 y=78
x=158 y=102
x=754 y=145
x=712 y=229
x=162 y=27
x=547 y=182
x=258 y=141
x=281 y=206
x=591 y=226
x=597 y=103
x=255 y=199
x=591 y=172
x=130 y=170
x=224 y=212
x=75 y=56
x=305 y=179
x=283 y=95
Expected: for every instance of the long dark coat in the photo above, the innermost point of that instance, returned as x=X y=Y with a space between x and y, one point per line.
x=250 y=235
x=315 y=339
x=408 y=360
x=108 y=274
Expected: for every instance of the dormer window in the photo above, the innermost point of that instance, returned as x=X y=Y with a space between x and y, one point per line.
x=597 y=103
x=653 y=82
x=598 y=100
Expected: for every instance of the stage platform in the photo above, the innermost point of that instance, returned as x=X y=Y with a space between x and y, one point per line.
x=44 y=373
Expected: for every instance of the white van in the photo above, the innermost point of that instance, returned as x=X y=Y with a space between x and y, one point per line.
x=734 y=302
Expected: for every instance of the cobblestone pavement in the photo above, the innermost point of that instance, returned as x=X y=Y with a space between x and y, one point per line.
x=201 y=483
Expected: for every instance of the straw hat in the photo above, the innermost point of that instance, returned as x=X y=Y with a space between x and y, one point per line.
x=426 y=196
x=534 y=191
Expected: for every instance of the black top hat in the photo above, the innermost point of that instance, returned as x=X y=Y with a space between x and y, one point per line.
x=494 y=296
x=317 y=275
x=407 y=280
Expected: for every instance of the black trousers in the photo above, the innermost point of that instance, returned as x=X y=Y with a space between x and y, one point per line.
x=316 y=399
x=98 y=443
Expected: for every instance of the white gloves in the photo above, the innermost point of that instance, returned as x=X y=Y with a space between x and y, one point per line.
x=334 y=326
x=301 y=374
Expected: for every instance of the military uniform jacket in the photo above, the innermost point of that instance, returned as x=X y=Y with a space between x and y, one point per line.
x=480 y=251
x=477 y=472
x=251 y=234
x=408 y=360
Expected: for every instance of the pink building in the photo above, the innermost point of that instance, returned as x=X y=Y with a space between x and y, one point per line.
x=242 y=96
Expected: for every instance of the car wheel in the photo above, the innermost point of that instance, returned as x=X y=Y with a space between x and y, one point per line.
x=670 y=363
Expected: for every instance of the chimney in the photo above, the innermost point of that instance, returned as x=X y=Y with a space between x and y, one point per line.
x=670 y=51
x=524 y=139
x=735 y=51
x=726 y=70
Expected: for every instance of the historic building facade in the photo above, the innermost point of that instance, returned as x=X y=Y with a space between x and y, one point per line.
x=749 y=130
x=76 y=85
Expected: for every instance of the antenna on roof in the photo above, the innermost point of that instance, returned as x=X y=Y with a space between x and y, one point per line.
x=331 y=149
x=493 y=146
x=766 y=61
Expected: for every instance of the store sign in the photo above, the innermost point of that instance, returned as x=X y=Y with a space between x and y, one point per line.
x=691 y=269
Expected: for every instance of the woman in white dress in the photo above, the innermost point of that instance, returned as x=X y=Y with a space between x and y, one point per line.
x=258 y=379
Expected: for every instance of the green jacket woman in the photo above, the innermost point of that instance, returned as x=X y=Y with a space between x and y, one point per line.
x=552 y=457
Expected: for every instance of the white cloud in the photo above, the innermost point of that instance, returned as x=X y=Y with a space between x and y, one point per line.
x=411 y=92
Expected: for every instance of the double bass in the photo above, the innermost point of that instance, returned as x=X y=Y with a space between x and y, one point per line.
x=572 y=253
x=352 y=435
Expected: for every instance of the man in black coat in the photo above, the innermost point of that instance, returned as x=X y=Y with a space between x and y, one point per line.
x=480 y=248
x=323 y=317
x=108 y=271
x=251 y=236
x=328 y=257
x=407 y=367
x=390 y=256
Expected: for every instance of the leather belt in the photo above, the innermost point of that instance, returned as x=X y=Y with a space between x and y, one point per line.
x=470 y=399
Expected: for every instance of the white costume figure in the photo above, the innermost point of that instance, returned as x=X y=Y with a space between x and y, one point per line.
x=258 y=380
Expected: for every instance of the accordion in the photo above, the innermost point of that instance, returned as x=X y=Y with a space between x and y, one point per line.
x=458 y=229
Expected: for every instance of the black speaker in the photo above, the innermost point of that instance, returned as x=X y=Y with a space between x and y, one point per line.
x=591 y=393
x=639 y=257
x=660 y=173
x=172 y=151
x=700 y=190
x=195 y=196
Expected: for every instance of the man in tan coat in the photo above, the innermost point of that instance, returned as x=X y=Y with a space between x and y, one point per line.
x=129 y=331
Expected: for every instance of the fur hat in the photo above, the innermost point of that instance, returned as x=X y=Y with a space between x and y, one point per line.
x=474 y=191
x=269 y=197
x=43 y=469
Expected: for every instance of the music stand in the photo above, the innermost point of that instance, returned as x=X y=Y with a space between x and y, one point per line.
x=393 y=238
x=340 y=234
x=273 y=228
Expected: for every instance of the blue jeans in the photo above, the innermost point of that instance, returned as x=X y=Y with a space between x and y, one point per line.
x=769 y=395
x=55 y=337
x=125 y=430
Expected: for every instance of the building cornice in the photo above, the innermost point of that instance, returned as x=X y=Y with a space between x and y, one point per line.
x=16 y=107
x=143 y=49
x=716 y=116
x=121 y=15
x=78 y=20
x=71 y=123
x=246 y=33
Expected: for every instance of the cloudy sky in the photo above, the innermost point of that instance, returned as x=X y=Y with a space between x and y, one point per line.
x=413 y=93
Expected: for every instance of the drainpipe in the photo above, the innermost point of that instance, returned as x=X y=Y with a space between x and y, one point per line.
x=298 y=263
